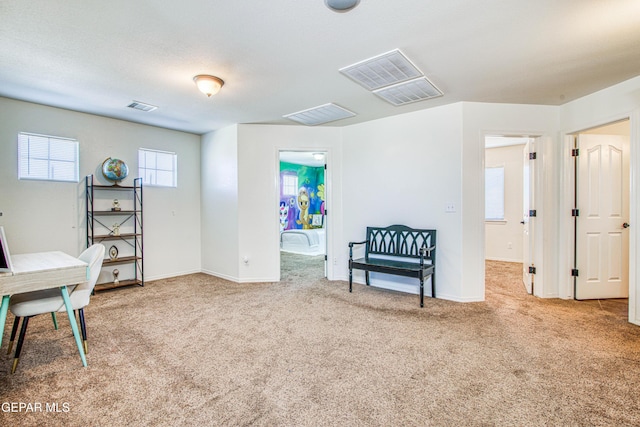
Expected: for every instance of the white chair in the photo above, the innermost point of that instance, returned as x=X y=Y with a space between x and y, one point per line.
x=30 y=304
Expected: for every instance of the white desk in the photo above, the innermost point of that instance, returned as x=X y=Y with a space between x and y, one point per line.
x=43 y=270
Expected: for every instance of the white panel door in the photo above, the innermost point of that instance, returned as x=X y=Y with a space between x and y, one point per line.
x=602 y=239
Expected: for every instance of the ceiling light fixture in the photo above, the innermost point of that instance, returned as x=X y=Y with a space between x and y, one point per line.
x=341 y=5
x=209 y=85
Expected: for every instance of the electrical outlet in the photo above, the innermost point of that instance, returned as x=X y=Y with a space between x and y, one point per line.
x=450 y=208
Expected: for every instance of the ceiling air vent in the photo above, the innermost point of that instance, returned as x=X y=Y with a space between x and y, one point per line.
x=319 y=115
x=419 y=89
x=382 y=70
x=136 y=105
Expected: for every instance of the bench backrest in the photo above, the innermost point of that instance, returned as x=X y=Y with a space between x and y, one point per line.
x=400 y=241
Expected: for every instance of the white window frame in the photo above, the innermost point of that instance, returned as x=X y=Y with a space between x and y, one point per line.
x=289 y=184
x=39 y=163
x=149 y=172
x=494 y=205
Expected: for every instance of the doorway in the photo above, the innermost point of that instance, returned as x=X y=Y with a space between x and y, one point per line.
x=601 y=194
x=510 y=205
x=302 y=199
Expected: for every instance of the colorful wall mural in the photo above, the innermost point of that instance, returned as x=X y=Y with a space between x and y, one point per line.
x=301 y=196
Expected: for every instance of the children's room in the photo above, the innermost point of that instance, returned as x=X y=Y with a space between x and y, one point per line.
x=302 y=203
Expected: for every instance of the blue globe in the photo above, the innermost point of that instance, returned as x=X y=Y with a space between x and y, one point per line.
x=115 y=169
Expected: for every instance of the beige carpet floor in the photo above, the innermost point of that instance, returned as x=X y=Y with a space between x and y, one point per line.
x=200 y=351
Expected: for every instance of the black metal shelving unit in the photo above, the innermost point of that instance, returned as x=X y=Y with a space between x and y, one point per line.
x=129 y=217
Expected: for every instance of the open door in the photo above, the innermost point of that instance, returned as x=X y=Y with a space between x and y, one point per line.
x=528 y=239
x=602 y=238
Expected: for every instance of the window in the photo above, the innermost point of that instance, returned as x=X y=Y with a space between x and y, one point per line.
x=48 y=158
x=494 y=194
x=289 y=185
x=158 y=168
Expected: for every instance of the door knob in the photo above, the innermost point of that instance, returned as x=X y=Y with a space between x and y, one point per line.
x=625 y=225
x=522 y=222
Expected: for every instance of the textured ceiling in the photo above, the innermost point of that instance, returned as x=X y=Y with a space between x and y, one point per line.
x=282 y=56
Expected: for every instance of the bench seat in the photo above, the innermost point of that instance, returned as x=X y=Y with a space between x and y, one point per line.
x=390 y=266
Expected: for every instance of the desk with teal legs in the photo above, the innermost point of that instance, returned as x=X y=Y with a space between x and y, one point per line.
x=43 y=270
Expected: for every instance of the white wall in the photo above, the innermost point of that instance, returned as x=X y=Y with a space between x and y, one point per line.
x=43 y=216
x=404 y=170
x=220 y=203
x=503 y=239
x=605 y=106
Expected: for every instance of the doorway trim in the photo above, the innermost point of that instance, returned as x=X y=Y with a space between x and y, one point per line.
x=329 y=224
x=542 y=142
x=566 y=199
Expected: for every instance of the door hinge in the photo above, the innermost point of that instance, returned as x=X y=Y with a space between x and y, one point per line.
x=575 y=152
x=532 y=212
x=532 y=156
x=325 y=258
x=326 y=212
x=574 y=272
x=532 y=270
x=575 y=212
x=325 y=166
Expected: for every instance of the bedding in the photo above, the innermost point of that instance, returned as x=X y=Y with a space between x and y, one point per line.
x=308 y=242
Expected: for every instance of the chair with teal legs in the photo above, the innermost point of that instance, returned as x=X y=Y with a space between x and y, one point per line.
x=31 y=304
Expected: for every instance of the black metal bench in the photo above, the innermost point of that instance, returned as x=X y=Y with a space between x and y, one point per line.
x=385 y=249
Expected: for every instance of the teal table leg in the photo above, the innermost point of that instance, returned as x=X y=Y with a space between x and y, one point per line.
x=74 y=325
x=3 y=315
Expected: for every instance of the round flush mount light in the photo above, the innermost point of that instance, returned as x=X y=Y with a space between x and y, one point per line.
x=209 y=85
x=341 y=5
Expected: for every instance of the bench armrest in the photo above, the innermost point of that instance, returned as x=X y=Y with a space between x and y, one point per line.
x=351 y=249
x=358 y=243
x=426 y=251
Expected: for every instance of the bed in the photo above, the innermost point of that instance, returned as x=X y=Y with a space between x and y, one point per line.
x=307 y=242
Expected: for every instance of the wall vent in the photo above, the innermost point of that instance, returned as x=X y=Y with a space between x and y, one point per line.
x=319 y=115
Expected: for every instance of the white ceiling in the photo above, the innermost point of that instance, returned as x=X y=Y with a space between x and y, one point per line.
x=282 y=56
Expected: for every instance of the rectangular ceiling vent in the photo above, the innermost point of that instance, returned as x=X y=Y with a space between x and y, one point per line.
x=319 y=115
x=136 y=105
x=382 y=70
x=419 y=89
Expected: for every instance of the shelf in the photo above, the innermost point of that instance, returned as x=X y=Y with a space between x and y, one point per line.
x=121 y=260
x=120 y=284
x=114 y=212
x=121 y=236
x=114 y=187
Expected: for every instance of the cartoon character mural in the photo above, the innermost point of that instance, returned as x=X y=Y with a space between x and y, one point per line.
x=293 y=213
x=284 y=216
x=320 y=194
x=303 y=204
